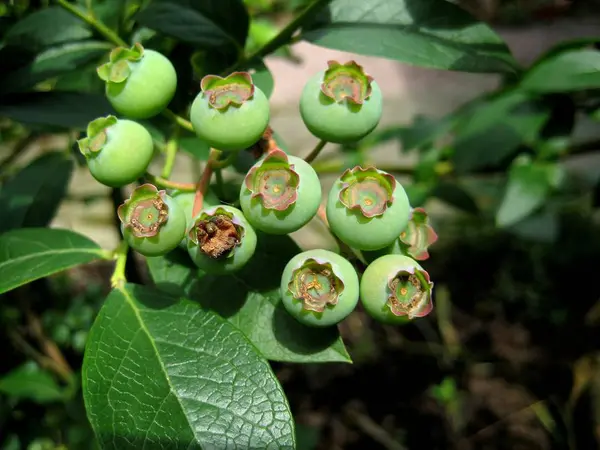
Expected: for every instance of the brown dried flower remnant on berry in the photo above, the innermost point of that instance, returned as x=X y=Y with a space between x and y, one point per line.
x=410 y=294
x=217 y=235
x=316 y=285
x=145 y=212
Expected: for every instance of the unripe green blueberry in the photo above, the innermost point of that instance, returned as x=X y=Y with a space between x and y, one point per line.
x=319 y=288
x=140 y=82
x=367 y=208
x=220 y=240
x=117 y=151
x=230 y=113
x=341 y=104
x=280 y=193
x=395 y=289
x=152 y=222
x=414 y=241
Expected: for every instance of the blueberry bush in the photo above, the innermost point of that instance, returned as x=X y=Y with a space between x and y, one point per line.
x=209 y=291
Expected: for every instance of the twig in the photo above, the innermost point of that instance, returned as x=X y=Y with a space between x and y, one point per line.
x=372 y=429
x=108 y=34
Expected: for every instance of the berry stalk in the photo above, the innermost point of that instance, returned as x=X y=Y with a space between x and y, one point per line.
x=117 y=280
x=168 y=184
x=204 y=181
x=171 y=150
x=315 y=151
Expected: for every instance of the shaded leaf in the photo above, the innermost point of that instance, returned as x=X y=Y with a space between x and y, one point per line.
x=427 y=33
x=262 y=77
x=250 y=300
x=569 y=71
x=61 y=109
x=32 y=196
x=54 y=62
x=31 y=383
x=202 y=23
x=540 y=227
x=161 y=372
x=196 y=147
x=495 y=129
x=27 y=254
x=528 y=186
x=455 y=195
x=46 y=27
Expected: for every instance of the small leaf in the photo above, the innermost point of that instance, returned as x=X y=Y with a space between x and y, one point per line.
x=569 y=71
x=52 y=63
x=32 y=196
x=528 y=186
x=27 y=254
x=250 y=300
x=31 y=383
x=61 y=109
x=161 y=372
x=427 y=33
x=46 y=27
x=202 y=23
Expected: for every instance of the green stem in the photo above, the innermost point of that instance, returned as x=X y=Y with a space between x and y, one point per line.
x=223 y=163
x=109 y=34
x=283 y=37
x=171 y=149
x=185 y=124
x=315 y=152
x=118 y=280
x=219 y=180
x=168 y=184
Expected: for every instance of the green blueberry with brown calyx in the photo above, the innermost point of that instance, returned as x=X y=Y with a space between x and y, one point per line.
x=394 y=289
x=414 y=241
x=367 y=208
x=319 y=288
x=152 y=222
x=186 y=201
x=280 y=194
x=341 y=104
x=220 y=240
x=230 y=113
x=117 y=151
x=140 y=82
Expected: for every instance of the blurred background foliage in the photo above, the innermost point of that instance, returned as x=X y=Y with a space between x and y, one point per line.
x=510 y=359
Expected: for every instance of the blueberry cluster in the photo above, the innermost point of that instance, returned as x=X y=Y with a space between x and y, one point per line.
x=367 y=209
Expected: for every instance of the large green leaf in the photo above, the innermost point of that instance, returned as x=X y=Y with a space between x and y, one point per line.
x=250 y=300
x=32 y=196
x=54 y=62
x=31 y=383
x=569 y=71
x=529 y=184
x=47 y=27
x=202 y=23
x=163 y=373
x=427 y=33
x=27 y=254
x=61 y=109
x=496 y=128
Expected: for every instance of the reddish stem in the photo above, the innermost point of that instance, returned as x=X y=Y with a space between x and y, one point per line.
x=204 y=181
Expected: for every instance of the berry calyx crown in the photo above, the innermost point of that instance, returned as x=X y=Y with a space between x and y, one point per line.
x=410 y=292
x=346 y=82
x=316 y=284
x=96 y=135
x=418 y=236
x=145 y=212
x=117 y=69
x=274 y=181
x=217 y=232
x=369 y=191
x=235 y=89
